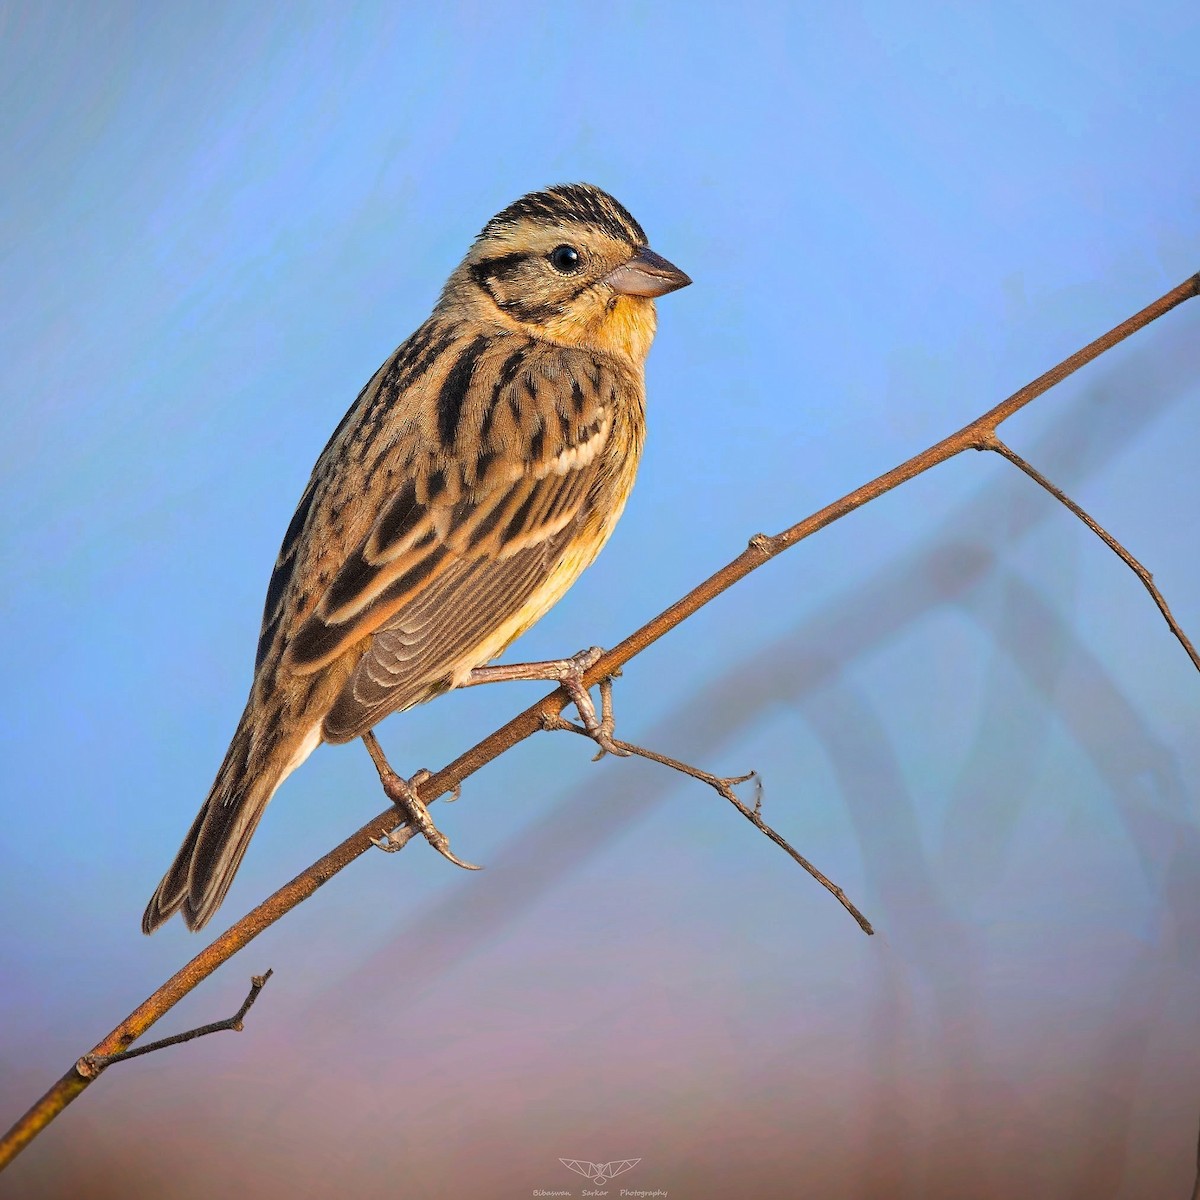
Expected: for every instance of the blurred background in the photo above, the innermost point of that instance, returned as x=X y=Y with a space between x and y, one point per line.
x=218 y=219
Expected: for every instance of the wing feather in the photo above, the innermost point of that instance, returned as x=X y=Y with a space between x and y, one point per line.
x=412 y=658
x=472 y=530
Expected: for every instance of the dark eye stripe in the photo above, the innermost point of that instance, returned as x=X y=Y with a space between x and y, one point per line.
x=497 y=267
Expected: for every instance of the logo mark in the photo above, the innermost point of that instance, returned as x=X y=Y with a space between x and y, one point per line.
x=600 y=1172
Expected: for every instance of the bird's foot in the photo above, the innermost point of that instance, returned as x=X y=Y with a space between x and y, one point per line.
x=403 y=794
x=568 y=672
x=599 y=729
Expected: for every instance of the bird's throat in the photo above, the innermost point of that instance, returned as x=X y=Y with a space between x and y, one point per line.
x=627 y=327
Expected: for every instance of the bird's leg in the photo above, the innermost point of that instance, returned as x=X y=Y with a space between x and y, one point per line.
x=402 y=793
x=607 y=722
x=569 y=673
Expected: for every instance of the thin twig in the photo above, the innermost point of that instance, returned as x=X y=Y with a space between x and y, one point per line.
x=974 y=436
x=724 y=785
x=90 y=1065
x=1107 y=538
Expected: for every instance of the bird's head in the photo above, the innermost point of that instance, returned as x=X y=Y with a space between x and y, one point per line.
x=569 y=265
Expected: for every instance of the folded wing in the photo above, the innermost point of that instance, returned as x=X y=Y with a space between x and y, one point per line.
x=468 y=549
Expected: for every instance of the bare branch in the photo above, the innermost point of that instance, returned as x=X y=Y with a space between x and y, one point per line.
x=724 y=785
x=90 y=1065
x=1107 y=538
x=975 y=436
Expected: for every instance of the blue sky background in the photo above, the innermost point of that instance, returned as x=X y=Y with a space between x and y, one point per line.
x=216 y=220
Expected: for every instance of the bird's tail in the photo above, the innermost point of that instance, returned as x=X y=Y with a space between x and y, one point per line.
x=212 y=851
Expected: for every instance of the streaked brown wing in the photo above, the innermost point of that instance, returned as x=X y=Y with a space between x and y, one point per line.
x=412 y=657
x=352 y=478
x=468 y=537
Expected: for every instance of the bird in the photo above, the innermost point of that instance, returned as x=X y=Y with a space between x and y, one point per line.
x=479 y=472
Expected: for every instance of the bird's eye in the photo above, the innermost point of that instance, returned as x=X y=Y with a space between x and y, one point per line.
x=565 y=259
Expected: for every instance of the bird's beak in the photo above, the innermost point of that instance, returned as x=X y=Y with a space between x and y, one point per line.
x=646 y=274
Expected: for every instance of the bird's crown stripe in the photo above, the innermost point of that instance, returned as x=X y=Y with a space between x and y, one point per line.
x=570 y=202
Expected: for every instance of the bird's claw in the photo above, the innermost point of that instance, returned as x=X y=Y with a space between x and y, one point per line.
x=598 y=728
x=604 y=734
x=403 y=793
x=388 y=843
